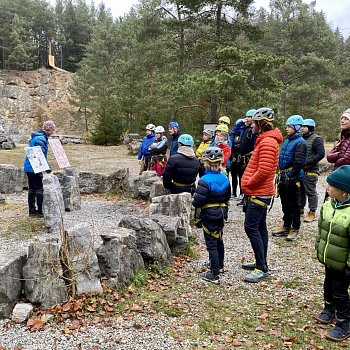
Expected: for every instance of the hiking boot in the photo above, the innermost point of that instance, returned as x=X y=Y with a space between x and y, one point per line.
x=209 y=277
x=284 y=232
x=340 y=332
x=293 y=235
x=249 y=266
x=327 y=314
x=256 y=276
x=221 y=269
x=311 y=216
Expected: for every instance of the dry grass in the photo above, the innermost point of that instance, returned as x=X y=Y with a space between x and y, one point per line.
x=97 y=159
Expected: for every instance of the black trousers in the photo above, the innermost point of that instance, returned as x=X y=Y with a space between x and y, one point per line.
x=35 y=192
x=335 y=291
x=290 y=199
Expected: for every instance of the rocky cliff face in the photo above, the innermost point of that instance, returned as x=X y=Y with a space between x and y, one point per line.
x=27 y=98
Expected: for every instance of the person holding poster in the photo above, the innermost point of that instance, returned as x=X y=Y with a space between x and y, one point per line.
x=35 y=180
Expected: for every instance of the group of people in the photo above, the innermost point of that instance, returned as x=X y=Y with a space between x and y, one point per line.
x=264 y=166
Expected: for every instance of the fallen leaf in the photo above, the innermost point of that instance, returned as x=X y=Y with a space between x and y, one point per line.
x=66 y=330
x=66 y=307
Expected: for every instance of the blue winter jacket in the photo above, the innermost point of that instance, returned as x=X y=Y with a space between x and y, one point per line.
x=173 y=146
x=38 y=138
x=292 y=156
x=212 y=188
x=146 y=142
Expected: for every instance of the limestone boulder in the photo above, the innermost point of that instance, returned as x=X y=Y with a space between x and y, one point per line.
x=43 y=274
x=12 y=178
x=99 y=183
x=119 y=257
x=53 y=205
x=150 y=239
x=70 y=189
x=11 y=280
x=83 y=259
x=140 y=186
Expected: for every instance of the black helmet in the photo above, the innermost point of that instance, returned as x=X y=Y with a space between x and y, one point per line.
x=264 y=113
x=213 y=154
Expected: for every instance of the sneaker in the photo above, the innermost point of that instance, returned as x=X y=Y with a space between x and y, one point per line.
x=340 y=332
x=326 y=315
x=221 y=269
x=256 y=276
x=283 y=232
x=209 y=277
x=249 y=266
x=293 y=235
x=311 y=216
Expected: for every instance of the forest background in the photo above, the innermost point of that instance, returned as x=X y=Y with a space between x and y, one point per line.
x=189 y=61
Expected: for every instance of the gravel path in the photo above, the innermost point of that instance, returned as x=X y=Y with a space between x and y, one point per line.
x=126 y=334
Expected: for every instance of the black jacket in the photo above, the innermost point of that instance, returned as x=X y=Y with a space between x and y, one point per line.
x=247 y=141
x=181 y=171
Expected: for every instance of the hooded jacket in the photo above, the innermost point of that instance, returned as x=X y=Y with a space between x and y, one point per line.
x=340 y=155
x=38 y=138
x=144 y=148
x=258 y=177
x=181 y=171
x=333 y=238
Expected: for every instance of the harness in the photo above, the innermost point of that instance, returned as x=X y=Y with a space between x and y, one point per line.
x=309 y=173
x=217 y=233
x=182 y=185
x=255 y=200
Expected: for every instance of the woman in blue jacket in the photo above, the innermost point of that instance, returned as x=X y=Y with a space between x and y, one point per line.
x=35 y=181
x=144 y=156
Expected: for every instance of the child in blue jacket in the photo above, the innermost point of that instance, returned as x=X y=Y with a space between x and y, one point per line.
x=212 y=194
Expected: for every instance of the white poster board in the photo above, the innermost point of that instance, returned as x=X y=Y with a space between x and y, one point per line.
x=37 y=159
x=59 y=153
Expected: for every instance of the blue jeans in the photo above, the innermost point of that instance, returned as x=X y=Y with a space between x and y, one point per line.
x=256 y=230
x=216 y=250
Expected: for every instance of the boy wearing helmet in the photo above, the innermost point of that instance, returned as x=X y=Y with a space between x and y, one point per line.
x=158 y=151
x=174 y=131
x=315 y=152
x=144 y=156
x=258 y=188
x=182 y=168
x=290 y=174
x=207 y=139
x=35 y=181
x=212 y=194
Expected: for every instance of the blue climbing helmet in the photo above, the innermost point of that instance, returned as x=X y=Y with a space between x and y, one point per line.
x=174 y=125
x=250 y=113
x=296 y=121
x=186 y=140
x=309 y=122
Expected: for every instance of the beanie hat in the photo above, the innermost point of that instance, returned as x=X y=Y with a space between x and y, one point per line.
x=49 y=125
x=340 y=178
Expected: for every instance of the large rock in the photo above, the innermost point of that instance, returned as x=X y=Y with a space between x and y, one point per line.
x=118 y=257
x=11 y=280
x=83 y=259
x=53 y=205
x=70 y=189
x=11 y=178
x=150 y=239
x=140 y=186
x=99 y=183
x=173 y=214
x=43 y=274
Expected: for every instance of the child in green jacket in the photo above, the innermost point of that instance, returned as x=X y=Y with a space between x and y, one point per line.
x=333 y=250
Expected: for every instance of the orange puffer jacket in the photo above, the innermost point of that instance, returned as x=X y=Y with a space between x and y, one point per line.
x=258 y=177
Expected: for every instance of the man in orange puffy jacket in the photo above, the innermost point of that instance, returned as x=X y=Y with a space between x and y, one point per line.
x=258 y=188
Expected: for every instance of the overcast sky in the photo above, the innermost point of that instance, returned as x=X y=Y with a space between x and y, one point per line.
x=337 y=11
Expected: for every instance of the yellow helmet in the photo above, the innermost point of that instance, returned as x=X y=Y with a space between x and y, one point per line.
x=222 y=128
x=225 y=120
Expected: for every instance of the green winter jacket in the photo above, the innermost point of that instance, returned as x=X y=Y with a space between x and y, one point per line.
x=333 y=238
